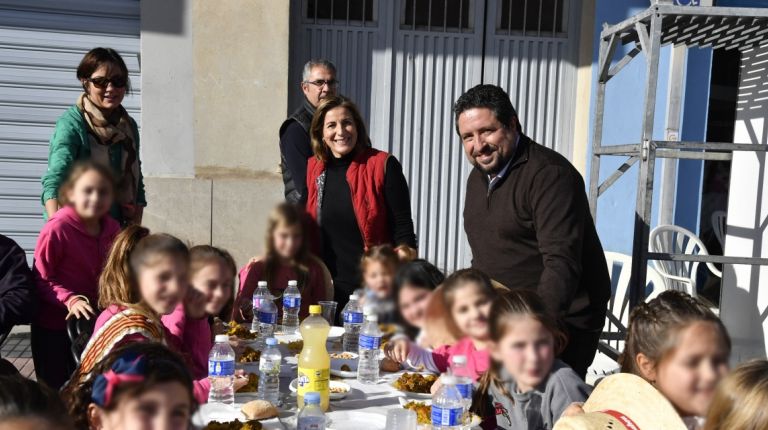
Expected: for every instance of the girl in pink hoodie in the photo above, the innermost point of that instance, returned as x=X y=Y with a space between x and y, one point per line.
x=69 y=257
x=212 y=275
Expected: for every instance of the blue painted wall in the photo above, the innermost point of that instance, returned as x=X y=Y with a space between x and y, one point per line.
x=622 y=125
x=623 y=122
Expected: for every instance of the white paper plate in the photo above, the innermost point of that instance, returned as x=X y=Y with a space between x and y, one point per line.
x=336 y=363
x=352 y=420
x=334 y=334
x=333 y=384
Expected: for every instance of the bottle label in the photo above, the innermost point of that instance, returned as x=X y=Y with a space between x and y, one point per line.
x=369 y=342
x=353 y=317
x=268 y=317
x=465 y=390
x=311 y=423
x=313 y=380
x=291 y=302
x=268 y=365
x=446 y=416
x=221 y=367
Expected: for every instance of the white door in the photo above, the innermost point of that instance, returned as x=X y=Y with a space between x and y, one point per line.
x=405 y=62
x=41 y=44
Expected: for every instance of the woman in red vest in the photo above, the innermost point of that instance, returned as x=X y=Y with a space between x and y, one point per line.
x=357 y=195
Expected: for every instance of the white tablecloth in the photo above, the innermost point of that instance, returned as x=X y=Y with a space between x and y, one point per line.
x=362 y=399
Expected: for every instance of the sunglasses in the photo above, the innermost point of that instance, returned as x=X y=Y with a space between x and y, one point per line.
x=103 y=82
x=320 y=83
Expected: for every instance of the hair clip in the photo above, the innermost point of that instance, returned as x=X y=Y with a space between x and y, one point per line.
x=128 y=368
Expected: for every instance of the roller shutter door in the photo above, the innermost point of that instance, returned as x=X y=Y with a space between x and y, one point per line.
x=41 y=44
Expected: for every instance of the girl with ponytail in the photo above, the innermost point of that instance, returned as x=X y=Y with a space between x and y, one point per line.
x=145 y=277
x=525 y=386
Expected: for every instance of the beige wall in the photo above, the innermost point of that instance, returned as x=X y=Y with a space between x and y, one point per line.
x=237 y=52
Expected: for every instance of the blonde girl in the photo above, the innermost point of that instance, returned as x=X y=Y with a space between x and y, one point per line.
x=740 y=400
x=146 y=277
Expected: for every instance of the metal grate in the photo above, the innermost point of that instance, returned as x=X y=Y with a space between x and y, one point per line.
x=340 y=12
x=540 y=18
x=437 y=15
x=718 y=27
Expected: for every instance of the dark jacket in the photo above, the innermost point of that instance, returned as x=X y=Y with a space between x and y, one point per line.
x=17 y=300
x=295 y=150
x=534 y=230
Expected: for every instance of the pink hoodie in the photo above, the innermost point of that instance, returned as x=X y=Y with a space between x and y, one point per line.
x=192 y=338
x=68 y=262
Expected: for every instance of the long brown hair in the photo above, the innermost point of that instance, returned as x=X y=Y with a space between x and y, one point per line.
x=290 y=216
x=202 y=255
x=79 y=169
x=461 y=278
x=740 y=399
x=321 y=150
x=508 y=306
x=132 y=249
x=163 y=366
x=653 y=327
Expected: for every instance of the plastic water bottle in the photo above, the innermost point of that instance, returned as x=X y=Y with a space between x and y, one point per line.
x=221 y=371
x=447 y=405
x=267 y=317
x=370 y=340
x=291 y=306
x=353 y=321
x=463 y=381
x=269 y=372
x=311 y=416
x=258 y=295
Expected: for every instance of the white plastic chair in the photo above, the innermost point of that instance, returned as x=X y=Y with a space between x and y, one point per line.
x=615 y=329
x=679 y=275
x=718 y=226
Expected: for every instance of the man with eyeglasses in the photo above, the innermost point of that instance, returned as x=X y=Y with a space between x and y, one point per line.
x=318 y=82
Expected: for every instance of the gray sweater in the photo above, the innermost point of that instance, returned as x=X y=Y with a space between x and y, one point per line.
x=541 y=408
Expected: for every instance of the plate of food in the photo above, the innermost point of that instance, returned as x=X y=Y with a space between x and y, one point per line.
x=415 y=385
x=249 y=360
x=253 y=384
x=241 y=331
x=291 y=347
x=423 y=409
x=338 y=389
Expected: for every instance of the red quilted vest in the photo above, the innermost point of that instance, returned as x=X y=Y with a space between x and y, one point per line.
x=365 y=177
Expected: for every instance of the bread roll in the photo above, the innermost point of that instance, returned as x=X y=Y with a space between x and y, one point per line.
x=259 y=410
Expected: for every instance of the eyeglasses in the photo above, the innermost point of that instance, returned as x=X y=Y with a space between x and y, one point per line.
x=321 y=83
x=103 y=82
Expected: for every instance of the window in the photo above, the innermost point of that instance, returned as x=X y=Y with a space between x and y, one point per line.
x=341 y=12
x=437 y=15
x=541 y=18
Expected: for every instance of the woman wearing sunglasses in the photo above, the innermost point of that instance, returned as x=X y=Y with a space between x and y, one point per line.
x=98 y=128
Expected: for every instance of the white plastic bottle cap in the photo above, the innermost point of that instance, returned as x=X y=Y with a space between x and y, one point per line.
x=262 y=284
x=459 y=359
x=353 y=297
x=447 y=379
x=221 y=338
x=290 y=283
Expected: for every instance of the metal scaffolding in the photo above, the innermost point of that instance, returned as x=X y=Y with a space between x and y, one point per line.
x=657 y=26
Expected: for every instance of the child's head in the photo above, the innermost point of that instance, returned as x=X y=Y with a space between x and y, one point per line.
x=27 y=405
x=525 y=338
x=468 y=294
x=680 y=346
x=740 y=399
x=285 y=234
x=414 y=283
x=212 y=273
x=139 y=386
x=378 y=266
x=89 y=189
x=147 y=269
